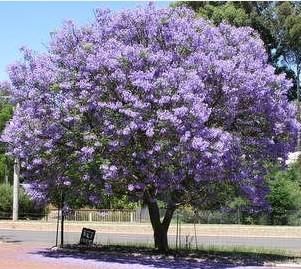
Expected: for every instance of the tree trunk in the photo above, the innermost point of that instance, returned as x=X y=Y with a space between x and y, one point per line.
x=160 y=228
x=160 y=238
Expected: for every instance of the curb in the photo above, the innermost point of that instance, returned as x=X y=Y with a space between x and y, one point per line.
x=283 y=265
x=122 y=232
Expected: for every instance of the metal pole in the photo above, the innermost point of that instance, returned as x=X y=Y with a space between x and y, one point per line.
x=16 y=190
x=195 y=237
x=57 y=226
x=177 y=232
x=5 y=174
x=62 y=220
x=180 y=235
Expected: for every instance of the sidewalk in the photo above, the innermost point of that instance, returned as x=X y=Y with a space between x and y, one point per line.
x=145 y=228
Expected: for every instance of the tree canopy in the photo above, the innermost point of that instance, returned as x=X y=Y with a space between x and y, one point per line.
x=151 y=103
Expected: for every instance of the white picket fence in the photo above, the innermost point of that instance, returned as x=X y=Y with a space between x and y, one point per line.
x=102 y=215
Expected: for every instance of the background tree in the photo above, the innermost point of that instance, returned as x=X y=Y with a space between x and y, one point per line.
x=6 y=111
x=288 y=32
x=153 y=104
x=278 y=24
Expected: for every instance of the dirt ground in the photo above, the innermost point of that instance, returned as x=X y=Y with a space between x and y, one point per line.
x=17 y=256
x=22 y=257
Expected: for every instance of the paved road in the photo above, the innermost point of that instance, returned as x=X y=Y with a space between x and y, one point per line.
x=71 y=237
x=29 y=250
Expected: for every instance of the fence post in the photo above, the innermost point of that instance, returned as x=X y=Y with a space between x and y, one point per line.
x=90 y=216
x=132 y=217
x=46 y=216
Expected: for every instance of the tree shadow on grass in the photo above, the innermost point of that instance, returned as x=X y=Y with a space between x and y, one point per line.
x=148 y=257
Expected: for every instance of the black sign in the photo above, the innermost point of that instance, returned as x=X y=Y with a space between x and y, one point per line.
x=87 y=236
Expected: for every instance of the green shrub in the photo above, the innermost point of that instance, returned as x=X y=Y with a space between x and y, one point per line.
x=285 y=196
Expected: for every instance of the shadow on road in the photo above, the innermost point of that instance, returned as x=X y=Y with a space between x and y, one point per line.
x=154 y=260
x=7 y=239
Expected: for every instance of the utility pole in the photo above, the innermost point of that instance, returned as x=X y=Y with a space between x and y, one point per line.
x=16 y=190
x=16 y=187
x=62 y=218
x=5 y=174
x=298 y=108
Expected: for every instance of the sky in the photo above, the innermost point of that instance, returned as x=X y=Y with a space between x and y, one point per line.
x=30 y=23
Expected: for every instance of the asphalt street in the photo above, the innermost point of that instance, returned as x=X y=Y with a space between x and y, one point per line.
x=30 y=250
x=48 y=237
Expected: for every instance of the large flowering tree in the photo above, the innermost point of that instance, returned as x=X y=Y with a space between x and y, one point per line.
x=153 y=104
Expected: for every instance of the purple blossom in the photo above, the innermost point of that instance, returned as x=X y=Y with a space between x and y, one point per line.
x=131 y=187
x=150 y=132
x=87 y=151
x=199 y=143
